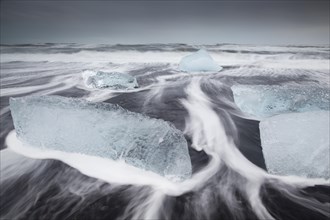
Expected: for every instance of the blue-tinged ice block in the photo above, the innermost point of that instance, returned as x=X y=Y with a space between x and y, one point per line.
x=297 y=144
x=266 y=100
x=104 y=130
x=112 y=80
x=199 y=61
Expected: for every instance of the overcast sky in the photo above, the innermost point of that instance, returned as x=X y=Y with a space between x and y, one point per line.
x=191 y=22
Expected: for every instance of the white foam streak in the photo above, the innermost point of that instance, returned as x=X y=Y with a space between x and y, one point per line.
x=205 y=127
x=60 y=82
x=208 y=134
x=124 y=57
x=92 y=166
x=118 y=172
x=100 y=95
x=149 y=209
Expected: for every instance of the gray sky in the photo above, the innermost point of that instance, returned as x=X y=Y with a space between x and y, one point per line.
x=191 y=22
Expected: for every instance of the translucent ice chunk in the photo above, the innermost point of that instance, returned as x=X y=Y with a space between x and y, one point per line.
x=101 y=129
x=113 y=80
x=265 y=101
x=200 y=61
x=297 y=144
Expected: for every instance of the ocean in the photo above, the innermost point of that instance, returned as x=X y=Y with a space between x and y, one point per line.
x=232 y=178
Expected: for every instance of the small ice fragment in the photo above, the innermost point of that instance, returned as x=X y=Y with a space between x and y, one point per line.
x=199 y=61
x=113 y=80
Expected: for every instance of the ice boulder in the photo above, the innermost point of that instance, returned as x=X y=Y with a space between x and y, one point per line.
x=103 y=130
x=199 y=61
x=264 y=101
x=113 y=80
x=297 y=144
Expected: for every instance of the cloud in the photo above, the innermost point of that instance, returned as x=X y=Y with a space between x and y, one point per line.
x=163 y=22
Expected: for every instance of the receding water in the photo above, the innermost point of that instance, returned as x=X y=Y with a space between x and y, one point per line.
x=230 y=178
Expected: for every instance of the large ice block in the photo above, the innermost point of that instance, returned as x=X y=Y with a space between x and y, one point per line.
x=113 y=80
x=265 y=101
x=199 y=61
x=297 y=144
x=104 y=130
